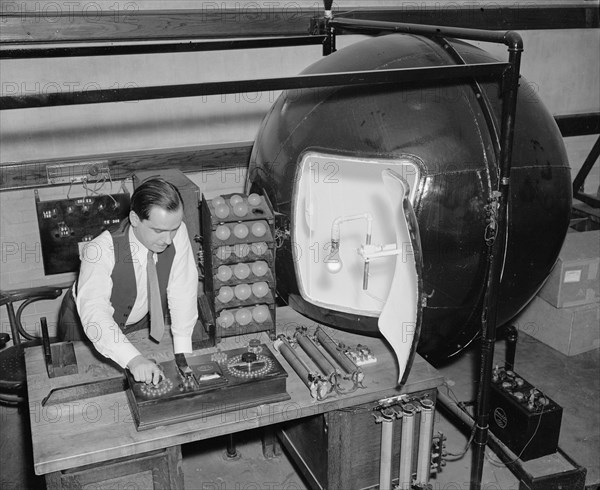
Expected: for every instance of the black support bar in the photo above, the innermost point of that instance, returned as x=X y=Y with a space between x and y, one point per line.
x=157 y=48
x=401 y=75
x=370 y=26
x=578 y=124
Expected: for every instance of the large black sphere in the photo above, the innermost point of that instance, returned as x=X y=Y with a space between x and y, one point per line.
x=444 y=126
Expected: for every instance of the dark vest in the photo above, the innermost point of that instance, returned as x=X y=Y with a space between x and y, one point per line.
x=124 y=290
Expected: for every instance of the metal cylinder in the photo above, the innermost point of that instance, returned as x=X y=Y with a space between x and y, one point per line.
x=385 y=460
x=313 y=352
x=331 y=347
x=425 y=438
x=406 y=447
x=292 y=358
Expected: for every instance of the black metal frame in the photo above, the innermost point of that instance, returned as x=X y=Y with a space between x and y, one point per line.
x=507 y=73
x=579 y=125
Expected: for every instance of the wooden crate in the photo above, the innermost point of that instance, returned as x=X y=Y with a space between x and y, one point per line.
x=340 y=449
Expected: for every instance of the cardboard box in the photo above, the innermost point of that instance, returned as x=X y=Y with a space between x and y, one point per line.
x=568 y=330
x=574 y=280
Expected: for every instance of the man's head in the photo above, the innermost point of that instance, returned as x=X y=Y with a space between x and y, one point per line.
x=156 y=213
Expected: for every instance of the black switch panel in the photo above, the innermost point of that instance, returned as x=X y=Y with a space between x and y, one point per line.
x=65 y=223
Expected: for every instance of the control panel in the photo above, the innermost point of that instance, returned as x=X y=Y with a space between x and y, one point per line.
x=200 y=386
x=67 y=224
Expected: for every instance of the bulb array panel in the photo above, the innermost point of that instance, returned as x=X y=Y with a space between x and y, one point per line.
x=239 y=263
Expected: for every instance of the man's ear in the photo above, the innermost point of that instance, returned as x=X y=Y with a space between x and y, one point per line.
x=134 y=219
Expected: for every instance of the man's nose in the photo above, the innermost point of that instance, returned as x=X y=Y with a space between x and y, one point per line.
x=168 y=239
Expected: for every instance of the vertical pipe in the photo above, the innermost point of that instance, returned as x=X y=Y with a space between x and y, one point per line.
x=231 y=451
x=425 y=439
x=406 y=447
x=12 y=321
x=385 y=460
x=329 y=43
x=496 y=251
x=511 y=347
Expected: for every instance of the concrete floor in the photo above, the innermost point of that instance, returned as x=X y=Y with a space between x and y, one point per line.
x=572 y=382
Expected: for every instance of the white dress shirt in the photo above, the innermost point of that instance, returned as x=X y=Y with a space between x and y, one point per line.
x=94 y=289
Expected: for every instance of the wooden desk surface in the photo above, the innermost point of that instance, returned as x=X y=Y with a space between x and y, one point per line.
x=98 y=429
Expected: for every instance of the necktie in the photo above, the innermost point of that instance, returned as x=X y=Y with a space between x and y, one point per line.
x=157 y=320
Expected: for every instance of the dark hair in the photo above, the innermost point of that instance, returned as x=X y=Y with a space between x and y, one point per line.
x=155 y=192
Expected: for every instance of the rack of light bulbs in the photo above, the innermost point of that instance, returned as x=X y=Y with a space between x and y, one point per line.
x=239 y=263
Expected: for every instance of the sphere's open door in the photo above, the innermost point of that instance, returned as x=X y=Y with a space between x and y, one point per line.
x=400 y=319
x=356 y=243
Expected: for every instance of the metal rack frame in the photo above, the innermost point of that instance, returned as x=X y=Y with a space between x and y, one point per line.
x=508 y=74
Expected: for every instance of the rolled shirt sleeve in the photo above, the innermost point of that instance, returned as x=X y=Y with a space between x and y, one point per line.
x=182 y=292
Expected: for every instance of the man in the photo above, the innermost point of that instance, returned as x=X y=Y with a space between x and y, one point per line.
x=109 y=300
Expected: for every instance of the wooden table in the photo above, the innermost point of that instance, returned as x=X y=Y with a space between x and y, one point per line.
x=71 y=440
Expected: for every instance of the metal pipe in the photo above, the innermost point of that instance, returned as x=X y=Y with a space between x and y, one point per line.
x=496 y=256
x=385 y=459
x=501 y=37
x=406 y=447
x=298 y=365
x=363 y=77
x=313 y=352
x=585 y=169
x=231 y=451
x=425 y=440
x=157 y=48
x=511 y=347
x=332 y=348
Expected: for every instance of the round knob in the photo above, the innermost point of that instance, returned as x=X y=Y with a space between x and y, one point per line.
x=249 y=357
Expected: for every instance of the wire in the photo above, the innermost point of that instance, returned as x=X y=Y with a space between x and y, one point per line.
x=457 y=456
x=462 y=406
x=96 y=190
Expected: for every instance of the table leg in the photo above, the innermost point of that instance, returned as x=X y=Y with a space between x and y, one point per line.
x=270 y=444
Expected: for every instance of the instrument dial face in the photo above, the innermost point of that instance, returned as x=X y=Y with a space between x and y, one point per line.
x=162 y=388
x=253 y=369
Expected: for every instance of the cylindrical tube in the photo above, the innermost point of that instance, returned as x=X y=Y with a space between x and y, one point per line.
x=330 y=346
x=406 y=447
x=425 y=438
x=292 y=358
x=385 y=460
x=366 y=267
x=311 y=349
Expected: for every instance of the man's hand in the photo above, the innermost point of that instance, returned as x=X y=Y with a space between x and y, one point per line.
x=145 y=371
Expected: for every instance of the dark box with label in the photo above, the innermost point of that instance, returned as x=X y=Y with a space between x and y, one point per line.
x=522 y=417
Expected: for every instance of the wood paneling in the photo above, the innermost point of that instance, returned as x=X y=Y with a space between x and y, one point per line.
x=39 y=24
x=33 y=174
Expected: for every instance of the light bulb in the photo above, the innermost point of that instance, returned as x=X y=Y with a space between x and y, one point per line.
x=333 y=260
x=222 y=210
x=233 y=200
x=254 y=199
x=222 y=232
x=334 y=266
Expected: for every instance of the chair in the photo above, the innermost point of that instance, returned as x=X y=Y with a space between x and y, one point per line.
x=13 y=386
